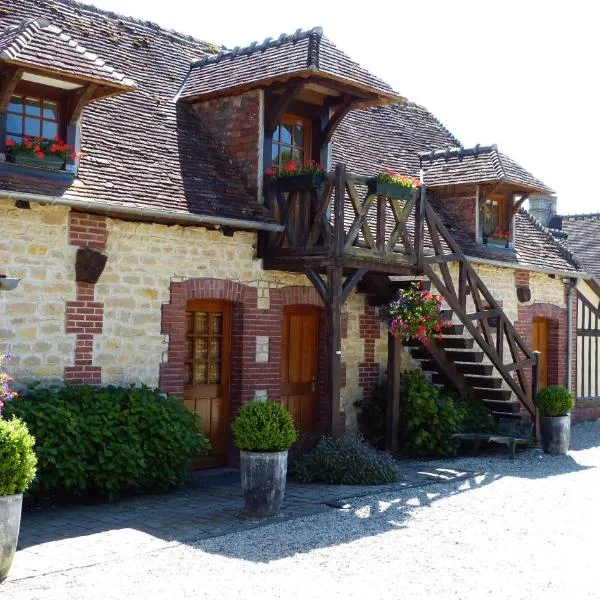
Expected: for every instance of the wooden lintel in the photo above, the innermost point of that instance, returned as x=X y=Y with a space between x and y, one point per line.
x=336 y=119
x=78 y=101
x=9 y=83
x=281 y=105
x=351 y=282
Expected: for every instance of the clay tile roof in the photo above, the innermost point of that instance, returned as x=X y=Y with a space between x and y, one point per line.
x=480 y=164
x=39 y=43
x=303 y=53
x=140 y=149
x=583 y=233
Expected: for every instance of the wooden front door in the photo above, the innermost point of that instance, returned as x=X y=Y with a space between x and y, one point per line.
x=540 y=343
x=300 y=339
x=207 y=373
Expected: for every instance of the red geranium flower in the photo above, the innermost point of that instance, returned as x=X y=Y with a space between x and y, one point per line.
x=40 y=154
x=269 y=172
x=10 y=142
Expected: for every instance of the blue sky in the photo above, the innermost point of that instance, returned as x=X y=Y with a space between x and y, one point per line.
x=522 y=74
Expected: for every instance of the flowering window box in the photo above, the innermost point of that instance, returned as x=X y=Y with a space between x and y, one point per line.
x=52 y=163
x=304 y=181
x=392 y=185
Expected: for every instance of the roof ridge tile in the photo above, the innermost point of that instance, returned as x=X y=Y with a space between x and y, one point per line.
x=580 y=216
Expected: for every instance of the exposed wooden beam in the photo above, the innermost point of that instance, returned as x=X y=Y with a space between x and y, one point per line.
x=78 y=101
x=336 y=118
x=351 y=282
x=282 y=103
x=392 y=421
x=517 y=205
x=319 y=284
x=9 y=83
x=333 y=347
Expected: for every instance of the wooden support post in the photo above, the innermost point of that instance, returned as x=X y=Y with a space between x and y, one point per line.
x=339 y=234
x=381 y=228
x=420 y=226
x=535 y=388
x=392 y=421
x=333 y=310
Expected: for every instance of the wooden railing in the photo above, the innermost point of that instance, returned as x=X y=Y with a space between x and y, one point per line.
x=345 y=224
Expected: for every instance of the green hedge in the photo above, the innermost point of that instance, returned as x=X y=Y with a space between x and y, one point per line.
x=264 y=426
x=346 y=460
x=17 y=458
x=429 y=417
x=102 y=442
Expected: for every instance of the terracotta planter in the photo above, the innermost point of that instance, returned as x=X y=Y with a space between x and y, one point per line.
x=50 y=163
x=10 y=522
x=389 y=189
x=305 y=181
x=556 y=434
x=263 y=481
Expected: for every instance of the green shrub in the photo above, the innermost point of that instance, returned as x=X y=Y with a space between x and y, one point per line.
x=371 y=416
x=17 y=458
x=264 y=426
x=554 y=401
x=102 y=442
x=346 y=460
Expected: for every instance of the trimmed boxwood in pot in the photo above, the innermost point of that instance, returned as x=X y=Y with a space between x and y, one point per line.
x=554 y=404
x=17 y=470
x=263 y=431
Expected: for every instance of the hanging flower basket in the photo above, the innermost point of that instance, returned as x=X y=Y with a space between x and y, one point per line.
x=391 y=185
x=415 y=314
x=295 y=176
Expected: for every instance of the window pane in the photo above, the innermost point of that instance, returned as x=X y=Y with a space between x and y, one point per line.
x=276 y=134
x=50 y=111
x=201 y=322
x=275 y=154
x=202 y=348
x=49 y=129
x=286 y=133
x=216 y=323
x=188 y=374
x=298 y=156
x=298 y=134
x=214 y=373
x=189 y=349
x=215 y=349
x=33 y=107
x=32 y=126
x=14 y=124
x=286 y=155
x=201 y=373
x=16 y=104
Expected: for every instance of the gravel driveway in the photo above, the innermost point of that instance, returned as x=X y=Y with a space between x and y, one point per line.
x=523 y=529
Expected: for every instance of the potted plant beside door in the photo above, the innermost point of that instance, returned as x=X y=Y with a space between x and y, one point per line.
x=263 y=431
x=17 y=470
x=554 y=404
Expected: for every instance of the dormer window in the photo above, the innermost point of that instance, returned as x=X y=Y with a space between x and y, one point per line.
x=291 y=141
x=33 y=117
x=495 y=221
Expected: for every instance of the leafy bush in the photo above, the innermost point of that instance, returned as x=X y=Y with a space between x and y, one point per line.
x=429 y=417
x=264 y=426
x=346 y=460
x=17 y=458
x=554 y=401
x=106 y=441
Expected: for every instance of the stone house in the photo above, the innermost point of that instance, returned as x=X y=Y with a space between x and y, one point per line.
x=162 y=254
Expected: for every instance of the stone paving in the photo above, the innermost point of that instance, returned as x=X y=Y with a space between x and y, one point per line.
x=62 y=538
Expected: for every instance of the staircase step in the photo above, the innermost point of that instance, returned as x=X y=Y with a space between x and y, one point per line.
x=454 y=330
x=508 y=415
x=511 y=408
x=446 y=342
x=480 y=382
x=464 y=368
x=470 y=356
x=492 y=394
x=446 y=314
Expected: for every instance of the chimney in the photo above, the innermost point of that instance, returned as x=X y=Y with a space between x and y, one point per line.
x=543 y=208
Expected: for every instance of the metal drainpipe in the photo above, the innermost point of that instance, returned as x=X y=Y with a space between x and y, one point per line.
x=569 y=333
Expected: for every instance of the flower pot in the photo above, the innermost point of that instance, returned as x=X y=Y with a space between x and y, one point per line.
x=389 y=189
x=10 y=521
x=8 y=284
x=555 y=433
x=263 y=481
x=304 y=181
x=51 y=163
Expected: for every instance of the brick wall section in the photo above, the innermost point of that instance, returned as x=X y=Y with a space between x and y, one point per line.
x=234 y=122
x=521 y=278
x=370 y=331
x=84 y=316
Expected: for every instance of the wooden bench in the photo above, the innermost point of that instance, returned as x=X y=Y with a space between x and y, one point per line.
x=510 y=432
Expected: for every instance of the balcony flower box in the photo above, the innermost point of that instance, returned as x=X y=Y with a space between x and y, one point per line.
x=392 y=185
x=52 y=163
x=295 y=176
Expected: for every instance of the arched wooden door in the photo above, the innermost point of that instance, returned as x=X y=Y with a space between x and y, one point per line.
x=299 y=362
x=207 y=373
x=539 y=341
